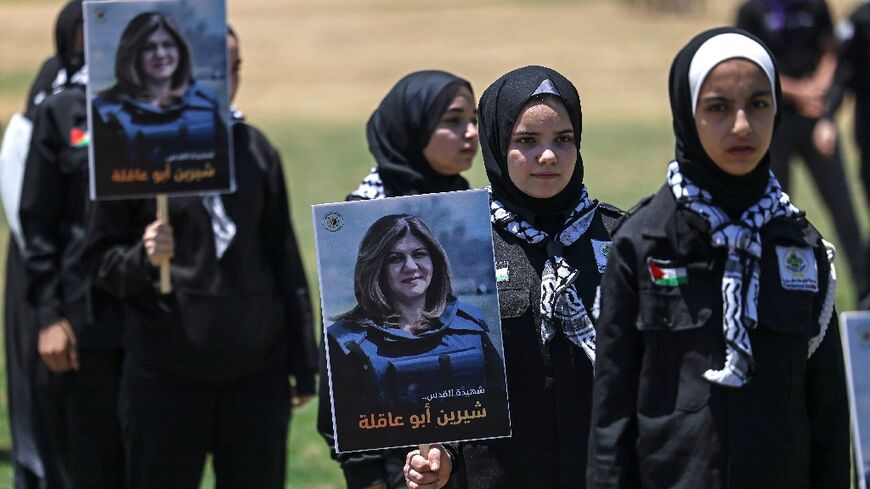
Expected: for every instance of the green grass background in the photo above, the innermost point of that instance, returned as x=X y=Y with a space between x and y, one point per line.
x=313 y=71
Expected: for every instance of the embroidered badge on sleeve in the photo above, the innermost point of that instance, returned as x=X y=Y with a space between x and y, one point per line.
x=797 y=268
x=665 y=273
x=602 y=251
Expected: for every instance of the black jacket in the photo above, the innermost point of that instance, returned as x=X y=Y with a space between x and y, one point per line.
x=225 y=318
x=549 y=386
x=53 y=211
x=657 y=423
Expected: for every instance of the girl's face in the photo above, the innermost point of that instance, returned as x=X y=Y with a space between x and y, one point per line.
x=453 y=143
x=541 y=154
x=734 y=116
x=159 y=57
x=408 y=269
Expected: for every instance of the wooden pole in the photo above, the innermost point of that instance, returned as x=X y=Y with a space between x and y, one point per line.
x=424 y=450
x=163 y=215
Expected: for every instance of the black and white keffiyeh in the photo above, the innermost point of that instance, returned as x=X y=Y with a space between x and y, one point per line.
x=742 y=240
x=561 y=305
x=371 y=187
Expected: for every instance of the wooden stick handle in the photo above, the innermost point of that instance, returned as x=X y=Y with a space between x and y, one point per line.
x=424 y=450
x=163 y=215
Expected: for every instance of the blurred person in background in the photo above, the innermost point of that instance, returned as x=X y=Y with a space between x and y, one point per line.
x=422 y=136
x=801 y=36
x=551 y=246
x=79 y=326
x=209 y=365
x=853 y=74
x=32 y=404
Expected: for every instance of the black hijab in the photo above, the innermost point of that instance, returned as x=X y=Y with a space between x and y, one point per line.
x=733 y=193
x=399 y=130
x=500 y=105
x=69 y=19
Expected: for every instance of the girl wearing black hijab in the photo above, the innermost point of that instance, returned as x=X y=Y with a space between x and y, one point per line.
x=719 y=360
x=551 y=246
x=423 y=134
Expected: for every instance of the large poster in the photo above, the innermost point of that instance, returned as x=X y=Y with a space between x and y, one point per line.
x=159 y=118
x=411 y=320
x=855 y=332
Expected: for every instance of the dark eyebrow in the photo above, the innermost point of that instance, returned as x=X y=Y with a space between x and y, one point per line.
x=762 y=93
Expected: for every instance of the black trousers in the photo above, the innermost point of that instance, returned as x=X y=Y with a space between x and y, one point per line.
x=794 y=136
x=170 y=424
x=90 y=428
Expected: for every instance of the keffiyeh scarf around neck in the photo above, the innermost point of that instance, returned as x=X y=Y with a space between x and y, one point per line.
x=741 y=238
x=561 y=305
x=371 y=187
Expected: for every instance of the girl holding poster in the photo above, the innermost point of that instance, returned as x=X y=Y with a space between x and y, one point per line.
x=551 y=245
x=422 y=136
x=719 y=358
x=208 y=366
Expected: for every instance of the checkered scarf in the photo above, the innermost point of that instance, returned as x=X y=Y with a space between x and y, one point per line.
x=561 y=305
x=372 y=187
x=742 y=240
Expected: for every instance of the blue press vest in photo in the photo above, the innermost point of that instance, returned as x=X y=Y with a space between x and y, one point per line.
x=155 y=134
x=407 y=367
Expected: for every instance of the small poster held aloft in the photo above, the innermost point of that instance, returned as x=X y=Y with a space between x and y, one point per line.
x=411 y=320
x=159 y=116
x=855 y=333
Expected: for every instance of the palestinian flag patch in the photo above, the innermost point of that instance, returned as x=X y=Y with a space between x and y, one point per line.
x=79 y=138
x=665 y=273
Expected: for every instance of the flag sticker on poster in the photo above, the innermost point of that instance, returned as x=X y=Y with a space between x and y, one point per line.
x=158 y=113
x=411 y=320
x=855 y=334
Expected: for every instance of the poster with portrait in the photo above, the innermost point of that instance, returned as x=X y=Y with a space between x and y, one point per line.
x=158 y=113
x=855 y=333
x=411 y=320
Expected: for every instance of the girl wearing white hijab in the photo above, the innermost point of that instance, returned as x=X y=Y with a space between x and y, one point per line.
x=718 y=356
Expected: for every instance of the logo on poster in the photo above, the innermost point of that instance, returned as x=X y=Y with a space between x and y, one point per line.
x=333 y=221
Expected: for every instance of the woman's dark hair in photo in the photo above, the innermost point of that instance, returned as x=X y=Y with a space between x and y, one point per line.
x=369 y=281
x=128 y=68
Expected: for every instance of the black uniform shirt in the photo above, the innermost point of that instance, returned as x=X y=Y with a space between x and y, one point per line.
x=657 y=423
x=226 y=317
x=548 y=385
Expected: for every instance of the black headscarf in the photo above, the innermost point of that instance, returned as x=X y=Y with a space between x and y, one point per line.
x=399 y=130
x=733 y=193
x=500 y=105
x=69 y=19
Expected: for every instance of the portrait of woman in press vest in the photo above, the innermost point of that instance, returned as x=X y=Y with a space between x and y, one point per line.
x=408 y=338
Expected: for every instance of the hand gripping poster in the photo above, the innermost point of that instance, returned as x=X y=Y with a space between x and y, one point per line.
x=855 y=333
x=411 y=320
x=159 y=117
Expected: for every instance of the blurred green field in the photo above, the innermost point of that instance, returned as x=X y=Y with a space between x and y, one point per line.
x=313 y=71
